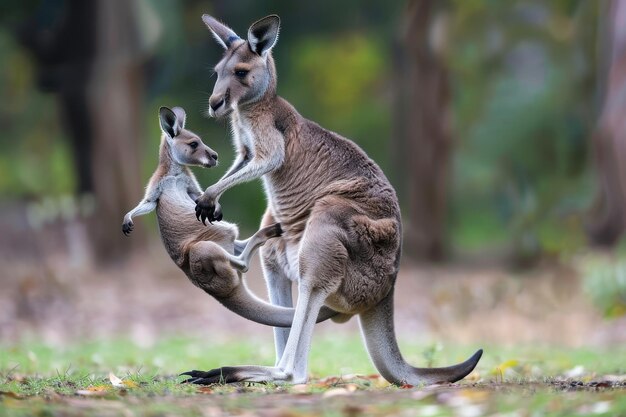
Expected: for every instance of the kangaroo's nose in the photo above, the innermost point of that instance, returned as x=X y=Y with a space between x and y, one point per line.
x=213 y=155
x=216 y=102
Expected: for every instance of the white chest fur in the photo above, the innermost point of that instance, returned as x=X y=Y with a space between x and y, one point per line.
x=242 y=131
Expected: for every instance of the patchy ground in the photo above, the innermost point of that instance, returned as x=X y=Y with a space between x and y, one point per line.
x=121 y=378
x=65 y=326
x=148 y=296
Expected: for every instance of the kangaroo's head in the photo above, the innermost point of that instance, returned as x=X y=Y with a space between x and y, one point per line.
x=185 y=147
x=246 y=72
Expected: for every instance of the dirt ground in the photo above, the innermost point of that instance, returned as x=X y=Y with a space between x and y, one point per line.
x=49 y=293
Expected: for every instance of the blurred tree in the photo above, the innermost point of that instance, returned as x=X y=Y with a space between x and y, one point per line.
x=608 y=218
x=91 y=55
x=115 y=103
x=422 y=115
x=522 y=76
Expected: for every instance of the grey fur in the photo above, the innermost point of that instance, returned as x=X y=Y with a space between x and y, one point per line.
x=341 y=220
x=205 y=254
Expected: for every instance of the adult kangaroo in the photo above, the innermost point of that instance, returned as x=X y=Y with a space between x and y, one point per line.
x=339 y=214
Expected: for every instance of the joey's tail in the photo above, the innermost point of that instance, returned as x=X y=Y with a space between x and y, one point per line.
x=378 y=332
x=244 y=303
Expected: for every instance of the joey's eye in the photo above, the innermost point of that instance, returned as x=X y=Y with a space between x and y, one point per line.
x=241 y=73
x=193 y=145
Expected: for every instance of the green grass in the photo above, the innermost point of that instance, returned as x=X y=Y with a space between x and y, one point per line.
x=36 y=379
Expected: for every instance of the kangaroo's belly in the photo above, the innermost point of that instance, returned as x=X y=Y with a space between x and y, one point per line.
x=179 y=227
x=371 y=266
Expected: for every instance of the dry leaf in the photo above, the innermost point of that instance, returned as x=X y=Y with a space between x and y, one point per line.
x=335 y=392
x=575 y=372
x=299 y=388
x=205 y=390
x=96 y=390
x=115 y=381
x=10 y=394
x=129 y=383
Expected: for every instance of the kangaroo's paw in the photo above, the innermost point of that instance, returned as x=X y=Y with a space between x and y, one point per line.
x=230 y=374
x=127 y=227
x=208 y=209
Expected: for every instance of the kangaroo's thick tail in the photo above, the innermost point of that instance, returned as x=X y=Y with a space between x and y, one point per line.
x=378 y=331
x=244 y=303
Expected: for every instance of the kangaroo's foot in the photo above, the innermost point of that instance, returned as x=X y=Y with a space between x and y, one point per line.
x=230 y=374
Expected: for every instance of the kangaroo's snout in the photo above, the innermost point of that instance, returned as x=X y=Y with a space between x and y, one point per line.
x=215 y=102
x=211 y=158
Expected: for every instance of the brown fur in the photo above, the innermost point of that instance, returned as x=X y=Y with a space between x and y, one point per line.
x=340 y=216
x=204 y=253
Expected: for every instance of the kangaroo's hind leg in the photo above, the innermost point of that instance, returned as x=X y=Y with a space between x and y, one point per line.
x=323 y=263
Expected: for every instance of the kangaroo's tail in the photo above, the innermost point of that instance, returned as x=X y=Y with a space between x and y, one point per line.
x=378 y=331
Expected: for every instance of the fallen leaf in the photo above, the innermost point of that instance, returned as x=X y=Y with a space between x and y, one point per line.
x=205 y=390
x=575 y=372
x=351 y=387
x=94 y=391
x=11 y=394
x=299 y=388
x=129 y=383
x=335 y=392
x=115 y=381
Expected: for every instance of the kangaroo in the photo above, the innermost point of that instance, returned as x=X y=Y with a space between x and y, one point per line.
x=340 y=217
x=211 y=257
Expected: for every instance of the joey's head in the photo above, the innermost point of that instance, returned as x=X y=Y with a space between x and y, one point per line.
x=185 y=147
x=246 y=72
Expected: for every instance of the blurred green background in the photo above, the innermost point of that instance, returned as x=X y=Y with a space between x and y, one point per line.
x=481 y=112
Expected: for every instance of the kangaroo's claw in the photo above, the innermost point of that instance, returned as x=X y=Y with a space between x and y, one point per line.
x=127 y=228
x=208 y=209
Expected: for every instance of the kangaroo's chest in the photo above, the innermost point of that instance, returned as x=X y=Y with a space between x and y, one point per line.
x=243 y=132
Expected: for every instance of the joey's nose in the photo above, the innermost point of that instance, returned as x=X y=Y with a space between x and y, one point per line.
x=216 y=102
x=213 y=155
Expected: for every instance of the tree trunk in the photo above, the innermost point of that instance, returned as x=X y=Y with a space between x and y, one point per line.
x=116 y=92
x=424 y=135
x=606 y=224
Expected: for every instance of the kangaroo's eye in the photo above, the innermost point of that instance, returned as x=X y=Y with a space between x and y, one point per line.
x=193 y=145
x=241 y=73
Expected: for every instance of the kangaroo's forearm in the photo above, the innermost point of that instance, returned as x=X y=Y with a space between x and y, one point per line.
x=254 y=169
x=240 y=162
x=144 y=207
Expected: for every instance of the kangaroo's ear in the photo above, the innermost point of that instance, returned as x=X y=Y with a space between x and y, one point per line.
x=169 y=122
x=263 y=34
x=181 y=117
x=224 y=35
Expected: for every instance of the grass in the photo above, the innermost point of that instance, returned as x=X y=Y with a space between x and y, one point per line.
x=36 y=379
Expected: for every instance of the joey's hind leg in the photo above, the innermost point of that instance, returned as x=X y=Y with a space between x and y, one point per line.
x=211 y=269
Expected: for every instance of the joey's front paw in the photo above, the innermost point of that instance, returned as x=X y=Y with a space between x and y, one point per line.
x=208 y=209
x=127 y=227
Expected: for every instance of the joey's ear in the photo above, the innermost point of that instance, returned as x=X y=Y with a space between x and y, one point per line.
x=263 y=34
x=169 y=123
x=181 y=117
x=224 y=35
